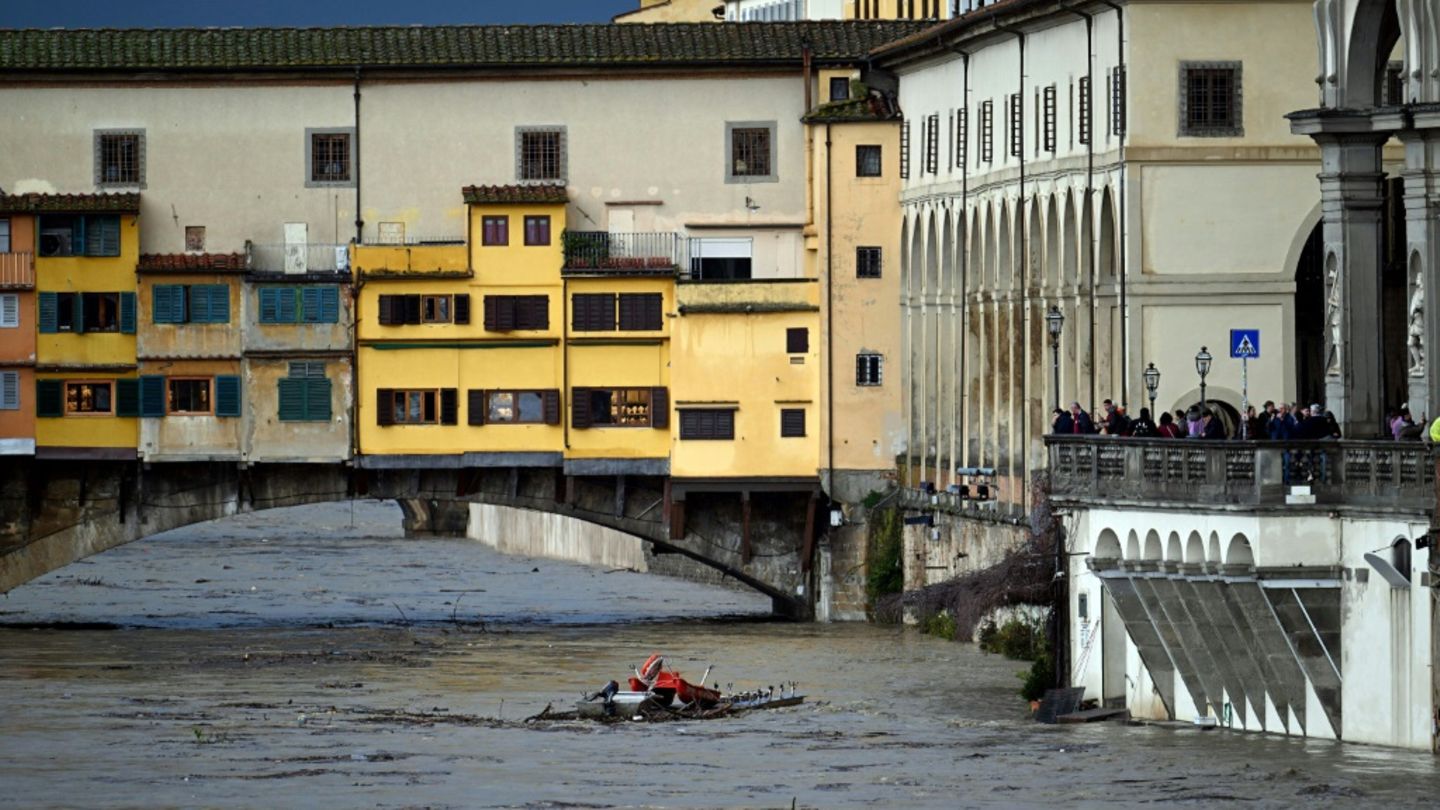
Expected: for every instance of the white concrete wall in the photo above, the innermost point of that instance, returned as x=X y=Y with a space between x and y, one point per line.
x=556 y=537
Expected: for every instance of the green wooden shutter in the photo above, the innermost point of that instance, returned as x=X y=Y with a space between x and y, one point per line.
x=292 y=400
x=199 y=300
x=219 y=295
x=77 y=313
x=152 y=396
x=227 y=395
x=310 y=305
x=167 y=303
x=127 y=313
x=49 y=398
x=269 y=304
x=317 y=399
x=49 y=313
x=330 y=305
x=285 y=302
x=127 y=397
x=103 y=236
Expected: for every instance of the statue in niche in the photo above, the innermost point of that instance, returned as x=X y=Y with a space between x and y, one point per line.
x=1416 y=338
x=1332 y=317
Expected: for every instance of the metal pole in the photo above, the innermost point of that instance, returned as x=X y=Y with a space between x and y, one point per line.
x=1055 y=366
x=1245 y=398
x=1203 y=402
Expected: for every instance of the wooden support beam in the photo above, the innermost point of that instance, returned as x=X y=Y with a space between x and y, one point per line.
x=677 y=520
x=746 y=552
x=807 y=547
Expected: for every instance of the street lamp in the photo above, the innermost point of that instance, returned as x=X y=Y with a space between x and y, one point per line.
x=1055 y=321
x=1202 y=367
x=1152 y=384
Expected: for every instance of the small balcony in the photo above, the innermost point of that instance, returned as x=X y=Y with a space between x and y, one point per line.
x=622 y=254
x=1396 y=477
x=17 y=271
x=437 y=257
x=297 y=259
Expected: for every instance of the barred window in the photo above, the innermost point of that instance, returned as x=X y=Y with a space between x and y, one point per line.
x=1117 y=100
x=867 y=262
x=1084 y=110
x=962 y=135
x=540 y=153
x=750 y=155
x=1017 y=125
x=932 y=143
x=329 y=158
x=869 y=369
x=905 y=149
x=1210 y=99
x=987 y=131
x=119 y=157
x=1049 y=117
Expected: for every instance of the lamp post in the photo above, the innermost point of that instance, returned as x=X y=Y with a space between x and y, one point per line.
x=1202 y=367
x=1055 y=321
x=1152 y=384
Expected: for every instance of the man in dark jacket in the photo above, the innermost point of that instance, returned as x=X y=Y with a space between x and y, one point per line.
x=1210 y=425
x=1061 y=423
x=1282 y=425
x=1080 y=421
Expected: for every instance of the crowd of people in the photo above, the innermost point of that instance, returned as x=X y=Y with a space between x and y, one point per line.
x=1285 y=421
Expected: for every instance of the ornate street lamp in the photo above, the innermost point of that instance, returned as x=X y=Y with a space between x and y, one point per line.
x=1202 y=367
x=1055 y=321
x=1152 y=384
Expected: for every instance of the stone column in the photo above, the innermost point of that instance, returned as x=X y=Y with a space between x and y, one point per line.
x=1422 y=261
x=1352 y=203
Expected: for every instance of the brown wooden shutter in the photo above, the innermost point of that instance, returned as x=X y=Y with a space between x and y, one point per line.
x=385 y=406
x=387 y=310
x=660 y=408
x=412 y=308
x=629 y=313
x=640 y=312
x=593 y=312
x=536 y=312
x=505 y=313
x=489 y=313
x=580 y=408
x=462 y=308
x=449 y=406
x=476 y=406
x=725 y=424
x=551 y=401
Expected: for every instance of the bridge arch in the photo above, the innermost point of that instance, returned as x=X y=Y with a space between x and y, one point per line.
x=57 y=513
x=1239 y=551
x=1107 y=547
x=1194 y=549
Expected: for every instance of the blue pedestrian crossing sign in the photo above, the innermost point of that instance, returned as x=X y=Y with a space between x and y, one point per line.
x=1245 y=343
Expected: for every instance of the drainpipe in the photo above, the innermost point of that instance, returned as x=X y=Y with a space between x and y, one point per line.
x=1089 y=178
x=1123 y=245
x=565 y=353
x=359 y=222
x=1024 y=266
x=829 y=311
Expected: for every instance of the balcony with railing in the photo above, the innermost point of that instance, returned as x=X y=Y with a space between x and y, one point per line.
x=17 y=271
x=1397 y=477
x=297 y=258
x=632 y=254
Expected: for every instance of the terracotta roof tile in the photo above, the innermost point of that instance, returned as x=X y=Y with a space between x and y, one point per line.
x=550 y=193
x=442 y=46
x=873 y=108
x=126 y=203
x=192 y=262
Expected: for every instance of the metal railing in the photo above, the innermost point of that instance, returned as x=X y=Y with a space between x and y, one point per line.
x=1190 y=472
x=17 y=271
x=603 y=251
x=310 y=257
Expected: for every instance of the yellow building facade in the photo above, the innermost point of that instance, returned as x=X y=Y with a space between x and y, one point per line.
x=86 y=386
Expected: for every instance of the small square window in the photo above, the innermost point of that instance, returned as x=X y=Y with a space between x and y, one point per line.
x=495 y=231
x=540 y=153
x=119 y=157
x=328 y=157
x=435 y=309
x=537 y=231
x=792 y=423
x=751 y=155
x=195 y=238
x=869 y=369
x=867 y=262
x=797 y=340
x=839 y=88
x=867 y=161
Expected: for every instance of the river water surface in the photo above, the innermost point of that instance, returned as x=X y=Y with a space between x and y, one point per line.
x=314 y=658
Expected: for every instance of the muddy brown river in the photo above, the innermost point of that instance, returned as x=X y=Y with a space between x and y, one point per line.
x=315 y=658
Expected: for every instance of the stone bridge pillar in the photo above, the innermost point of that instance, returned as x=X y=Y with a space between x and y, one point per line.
x=1352 y=204
x=427 y=517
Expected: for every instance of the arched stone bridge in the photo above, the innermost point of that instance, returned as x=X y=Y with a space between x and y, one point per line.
x=53 y=513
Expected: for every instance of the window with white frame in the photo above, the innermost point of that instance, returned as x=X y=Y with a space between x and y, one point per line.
x=9 y=311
